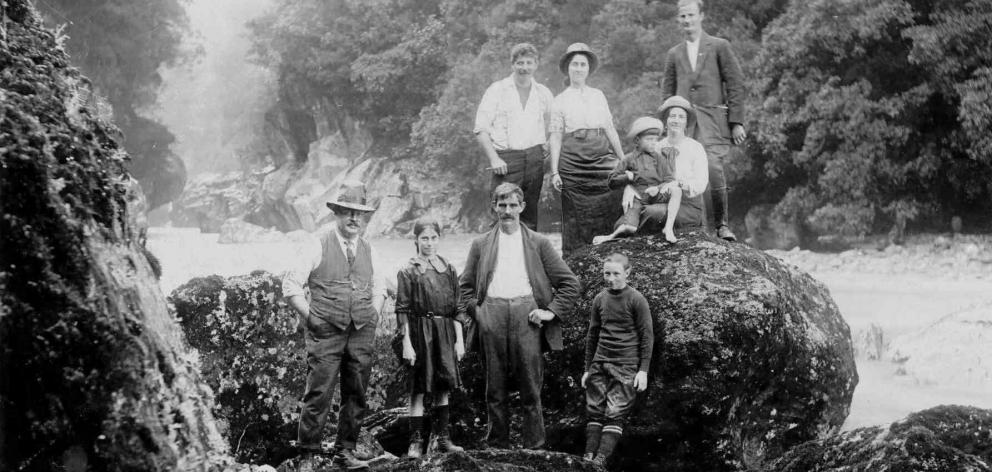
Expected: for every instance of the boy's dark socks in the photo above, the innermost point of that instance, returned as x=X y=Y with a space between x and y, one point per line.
x=593 y=432
x=609 y=440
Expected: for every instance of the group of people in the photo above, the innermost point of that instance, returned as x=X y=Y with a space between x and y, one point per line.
x=516 y=287
x=518 y=124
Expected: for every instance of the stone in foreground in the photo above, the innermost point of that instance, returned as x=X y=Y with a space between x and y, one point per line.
x=940 y=439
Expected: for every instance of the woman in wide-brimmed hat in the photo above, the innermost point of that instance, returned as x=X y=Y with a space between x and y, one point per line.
x=585 y=148
x=690 y=169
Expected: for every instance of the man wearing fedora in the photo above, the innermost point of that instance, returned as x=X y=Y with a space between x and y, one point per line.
x=705 y=70
x=339 y=320
x=516 y=287
x=511 y=128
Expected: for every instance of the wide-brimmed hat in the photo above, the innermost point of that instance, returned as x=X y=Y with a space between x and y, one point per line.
x=576 y=48
x=680 y=102
x=643 y=124
x=351 y=196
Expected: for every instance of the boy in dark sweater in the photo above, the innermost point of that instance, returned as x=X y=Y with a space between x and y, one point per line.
x=618 y=355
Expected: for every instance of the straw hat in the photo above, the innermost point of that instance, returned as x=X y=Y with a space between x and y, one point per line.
x=676 y=101
x=576 y=48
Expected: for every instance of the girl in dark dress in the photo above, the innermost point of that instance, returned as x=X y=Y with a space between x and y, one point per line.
x=427 y=315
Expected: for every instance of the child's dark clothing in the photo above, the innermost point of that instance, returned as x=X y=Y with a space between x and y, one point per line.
x=649 y=170
x=427 y=301
x=620 y=341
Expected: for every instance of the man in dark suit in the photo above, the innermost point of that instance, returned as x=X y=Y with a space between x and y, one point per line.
x=516 y=287
x=705 y=70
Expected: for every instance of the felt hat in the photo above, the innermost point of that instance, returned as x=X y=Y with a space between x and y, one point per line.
x=351 y=196
x=576 y=48
x=643 y=124
x=676 y=101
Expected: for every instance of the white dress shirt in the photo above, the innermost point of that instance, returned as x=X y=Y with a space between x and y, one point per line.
x=510 y=274
x=511 y=126
x=309 y=256
x=692 y=49
x=580 y=108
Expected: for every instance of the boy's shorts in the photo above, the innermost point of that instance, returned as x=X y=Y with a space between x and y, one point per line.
x=610 y=391
x=632 y=216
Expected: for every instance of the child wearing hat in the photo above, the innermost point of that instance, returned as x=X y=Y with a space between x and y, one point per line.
x=651 y=173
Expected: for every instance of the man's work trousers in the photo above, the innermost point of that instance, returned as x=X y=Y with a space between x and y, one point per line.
x=526 y=169
x=511 y=346
x=331 y=350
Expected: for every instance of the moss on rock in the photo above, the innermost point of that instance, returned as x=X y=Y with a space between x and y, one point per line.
x=92 y=369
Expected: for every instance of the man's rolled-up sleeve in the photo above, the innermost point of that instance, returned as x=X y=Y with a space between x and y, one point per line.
x=486 y=114
x=306 y=260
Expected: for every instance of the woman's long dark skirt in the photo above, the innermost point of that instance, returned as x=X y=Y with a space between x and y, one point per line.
x=588 y=206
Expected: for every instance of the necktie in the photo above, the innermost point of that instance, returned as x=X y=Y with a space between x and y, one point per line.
x=350 y=252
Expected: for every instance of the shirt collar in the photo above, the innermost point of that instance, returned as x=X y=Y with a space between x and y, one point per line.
x=343 y=239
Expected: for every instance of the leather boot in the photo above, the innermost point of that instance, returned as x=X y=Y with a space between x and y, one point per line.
x=441 y=441
x=720 y=206
x=416 y=437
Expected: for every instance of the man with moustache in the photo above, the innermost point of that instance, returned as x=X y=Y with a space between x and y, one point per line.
x=346 y=296
x=511 y=127
x=516 y=287
x=705 y=70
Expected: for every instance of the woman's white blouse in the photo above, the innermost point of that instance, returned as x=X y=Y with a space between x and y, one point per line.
x=580 y=108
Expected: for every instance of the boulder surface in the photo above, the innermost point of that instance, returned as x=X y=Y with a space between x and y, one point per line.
x=93 y=371
x=751 y=357
x=940 y=439
x=254 y=360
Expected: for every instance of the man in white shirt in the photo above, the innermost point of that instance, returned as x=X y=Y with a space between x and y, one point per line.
x=516 y=287
x=346 y=296
x=511 y=127
x=705 y=70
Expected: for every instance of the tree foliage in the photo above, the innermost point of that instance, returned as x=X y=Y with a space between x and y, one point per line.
x=861 y=113
x=867 y=111
x=120 y=45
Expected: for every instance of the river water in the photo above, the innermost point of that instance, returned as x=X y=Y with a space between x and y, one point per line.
x=898 y=304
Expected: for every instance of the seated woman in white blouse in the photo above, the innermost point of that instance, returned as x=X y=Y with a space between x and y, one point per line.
x=585 y=147
x=691 y=170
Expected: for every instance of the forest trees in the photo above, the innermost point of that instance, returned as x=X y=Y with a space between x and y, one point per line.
x=875 y=112
x=120 y=45
x=862 y=113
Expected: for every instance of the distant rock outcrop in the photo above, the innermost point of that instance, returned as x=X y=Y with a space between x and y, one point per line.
x=940 y=439
x=93 y=371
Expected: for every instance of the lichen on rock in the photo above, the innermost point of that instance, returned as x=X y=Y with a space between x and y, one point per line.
x=946 y=438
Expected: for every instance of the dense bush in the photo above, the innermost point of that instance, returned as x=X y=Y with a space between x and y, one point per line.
x=862 y=114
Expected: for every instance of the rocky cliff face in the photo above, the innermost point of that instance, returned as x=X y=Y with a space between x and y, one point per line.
x=93 y=373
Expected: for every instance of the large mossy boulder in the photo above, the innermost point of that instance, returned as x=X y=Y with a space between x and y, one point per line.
x=93 y=371
x=255 y=361
x=490 y=460
x=940 y=439
x=752 y=357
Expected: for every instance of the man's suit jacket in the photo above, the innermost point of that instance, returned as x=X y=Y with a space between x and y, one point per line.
x=715 y=88
x=553 y=284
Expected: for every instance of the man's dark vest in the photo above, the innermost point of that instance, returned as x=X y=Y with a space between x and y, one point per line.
x=341 y=293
